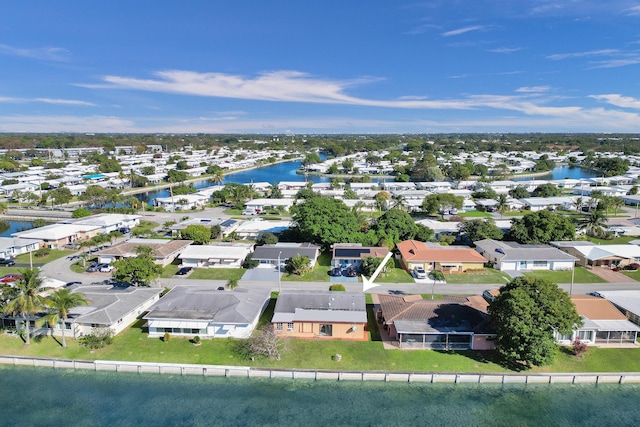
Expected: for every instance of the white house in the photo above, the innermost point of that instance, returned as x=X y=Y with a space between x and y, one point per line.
x=13 y=246
x=207 y=312
x=216 y=255
x=512 y=256
x=181 y=202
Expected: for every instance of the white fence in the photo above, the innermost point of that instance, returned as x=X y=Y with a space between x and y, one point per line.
x=249 y=372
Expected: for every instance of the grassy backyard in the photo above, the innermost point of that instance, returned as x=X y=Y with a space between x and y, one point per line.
x=54 y=254
x=581 y=276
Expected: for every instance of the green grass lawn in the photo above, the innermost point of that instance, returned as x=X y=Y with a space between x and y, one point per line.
x=134 y=345
x=635 y=275
x=620 y=240
x=396 y=275
x=581 y=276
x=217 y=273
x=488 y=276
x=53 y=255
x=475 y=214
x=169 y=271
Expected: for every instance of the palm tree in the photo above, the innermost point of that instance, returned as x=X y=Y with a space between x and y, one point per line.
x=436 y=275
x=232 y=284
x=502 y=204
x=595 y=223
x=29 y=299
x=578 y=203
x=60 y=302
x=616 y=203
x=218 y=177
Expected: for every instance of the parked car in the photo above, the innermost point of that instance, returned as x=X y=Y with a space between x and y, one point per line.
x=93 y=268
x=419 y=272
x=106 y=268
x=124 y=230
x=351 y=272
x=184 y=271
x=8 y=278
x=7 y=262
x=71 y=246
x=66 y=285
x=221 y=288
x=335 y=272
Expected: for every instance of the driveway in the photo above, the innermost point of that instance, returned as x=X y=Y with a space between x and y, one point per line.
x=610 y=275
x=261 y=274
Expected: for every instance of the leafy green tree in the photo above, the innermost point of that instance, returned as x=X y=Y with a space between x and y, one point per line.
x=200 y=234
x=526 y=315
x=275 y=192
x=80 y=213
x=394 y=226
x=382 y=200
x=423 y=233
x=28 y=299
x=542 y=227
x=325 y=221
x=479 y=229
x=140 y=270
x=59 y=304
x=434 y=203
x=60 y=195
x=267 y=238
x=547 y=190
x=215 y=231
x=370 y=264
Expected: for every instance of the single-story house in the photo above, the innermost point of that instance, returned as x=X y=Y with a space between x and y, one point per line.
x=456 y=323
x=226 y=226
x=603 y=323
x=13 y=246
x=216 y=255
x=110 y=307
x=512 y=256
x=207 y=312
x=55 y=236
x=590 y=255
x=628 y=302
x=163 y=251
x=432 y=256
x=254 y=228
x=182 y=202
x=535 y=204
x=260 y=205
x=441 y=228
x=346 y=254
x=321 y=315
x=107 y=222
x=270 y=255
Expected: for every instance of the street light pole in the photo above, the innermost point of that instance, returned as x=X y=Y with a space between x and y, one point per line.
x=279 y=280
x=573 y=273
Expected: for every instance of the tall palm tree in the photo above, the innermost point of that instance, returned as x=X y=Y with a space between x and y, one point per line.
x=502 y=204
x=218 y=177
x=616 y=203
x=60 y=303
x=595 y=223
x=578 y=203
x=29 y=299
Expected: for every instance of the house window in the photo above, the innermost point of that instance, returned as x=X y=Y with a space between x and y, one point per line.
x=278 y=326
x=540 y=263
x=585 y=335
x=564 y=337
x=523 y=264
x=290 y=326
x=326 y=330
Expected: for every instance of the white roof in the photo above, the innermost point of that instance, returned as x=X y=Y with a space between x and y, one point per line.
x=627 y=300
x=604 y=251
x=206 y=252
x=54 y=232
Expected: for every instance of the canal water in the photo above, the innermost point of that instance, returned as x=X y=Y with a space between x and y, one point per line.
x=47 y=397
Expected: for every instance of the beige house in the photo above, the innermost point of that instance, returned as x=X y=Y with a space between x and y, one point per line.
x=448 y=259
x=163 y=251
x=321 y=315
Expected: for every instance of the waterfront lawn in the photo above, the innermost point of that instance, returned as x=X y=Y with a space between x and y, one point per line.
x=54 y=254
x=581 y=276
x=217 y=273
x=488 y=276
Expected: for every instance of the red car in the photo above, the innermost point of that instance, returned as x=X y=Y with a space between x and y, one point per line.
x=8 y=278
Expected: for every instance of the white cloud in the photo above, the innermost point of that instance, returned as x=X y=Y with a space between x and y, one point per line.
x=615 y=63
x=632 y=11
x=46 y=53
x=504 y=50
x=64 y=102
x=601 y=52
x=618 y=100
x=463 y=30
x=533 y=89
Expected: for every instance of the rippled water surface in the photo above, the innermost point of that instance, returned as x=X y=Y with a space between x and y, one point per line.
x=46 y=397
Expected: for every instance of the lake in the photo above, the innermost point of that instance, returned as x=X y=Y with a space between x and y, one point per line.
x=7 y=228
x=564 y=171
x=47 y=397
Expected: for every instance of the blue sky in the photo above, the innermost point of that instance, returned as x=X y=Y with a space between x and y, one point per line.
x=320 y=66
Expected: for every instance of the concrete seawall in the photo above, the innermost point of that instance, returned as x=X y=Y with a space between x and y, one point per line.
x=249 y=372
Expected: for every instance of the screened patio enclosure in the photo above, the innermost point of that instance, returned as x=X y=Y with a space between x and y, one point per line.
x=419 y=334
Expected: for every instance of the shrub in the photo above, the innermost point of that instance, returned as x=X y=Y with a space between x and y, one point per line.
x=80 y=213
x=42 y=252
x=337 y=287
x=166 y=337
x=634 y=266
x=196 y=339
x=579 y=347
x=250 y=263
x=98 y=338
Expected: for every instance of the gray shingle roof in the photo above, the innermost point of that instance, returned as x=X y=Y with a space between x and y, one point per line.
x=320 y=306
x=512 y=251
x=207 y=304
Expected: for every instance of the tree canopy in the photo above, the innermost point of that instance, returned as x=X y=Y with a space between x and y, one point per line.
x=526 y=315
x=542 y=227
x=325 y=220
x=200 y=234
x=479 y=229
x=140 y=270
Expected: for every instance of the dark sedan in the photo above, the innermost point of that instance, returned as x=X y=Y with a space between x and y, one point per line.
x=335 y=272
x=184 y=271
